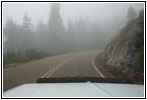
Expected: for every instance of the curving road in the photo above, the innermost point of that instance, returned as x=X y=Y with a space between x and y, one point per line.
x=68 y=65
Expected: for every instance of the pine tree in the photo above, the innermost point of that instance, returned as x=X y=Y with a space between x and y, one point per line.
x=70 y=35
x=56 y=28
x=12 y=37
x=131 y=13
x=27 y=33
x=41 y=36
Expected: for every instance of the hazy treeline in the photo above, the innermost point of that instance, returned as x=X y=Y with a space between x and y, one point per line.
x=55 y=37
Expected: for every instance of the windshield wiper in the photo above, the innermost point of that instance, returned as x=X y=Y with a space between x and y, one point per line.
x=83 y=79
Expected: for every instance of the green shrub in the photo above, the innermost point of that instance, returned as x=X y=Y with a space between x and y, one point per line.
x=12 y=57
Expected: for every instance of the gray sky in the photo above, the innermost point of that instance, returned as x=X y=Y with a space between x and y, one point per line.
x=92 y=11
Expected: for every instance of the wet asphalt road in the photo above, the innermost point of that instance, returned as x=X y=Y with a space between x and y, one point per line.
x=68 y=65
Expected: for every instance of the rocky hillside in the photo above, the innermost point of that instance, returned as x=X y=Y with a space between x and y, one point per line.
x=125 y=51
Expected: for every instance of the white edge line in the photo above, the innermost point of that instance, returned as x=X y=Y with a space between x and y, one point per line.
x=96 y=68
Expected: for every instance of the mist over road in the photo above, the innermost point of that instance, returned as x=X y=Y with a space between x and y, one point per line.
x=68 y=65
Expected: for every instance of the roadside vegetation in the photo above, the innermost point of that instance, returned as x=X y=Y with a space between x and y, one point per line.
x=12 y=57
x=30 y=55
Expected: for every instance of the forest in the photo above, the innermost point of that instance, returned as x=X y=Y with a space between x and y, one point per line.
x=23 y=43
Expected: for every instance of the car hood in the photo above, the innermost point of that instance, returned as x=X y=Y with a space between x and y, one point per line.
x=85 y=89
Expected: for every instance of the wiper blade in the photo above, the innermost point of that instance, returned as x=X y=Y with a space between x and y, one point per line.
x=83 y=79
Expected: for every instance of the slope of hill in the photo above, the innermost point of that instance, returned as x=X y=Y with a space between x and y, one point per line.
x=125 y=52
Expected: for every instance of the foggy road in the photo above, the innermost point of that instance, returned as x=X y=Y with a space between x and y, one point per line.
x=68 y=65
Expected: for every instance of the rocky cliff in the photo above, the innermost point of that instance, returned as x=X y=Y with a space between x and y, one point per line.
x=125 y=50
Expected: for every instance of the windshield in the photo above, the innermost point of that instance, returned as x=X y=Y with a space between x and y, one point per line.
x=72 y=42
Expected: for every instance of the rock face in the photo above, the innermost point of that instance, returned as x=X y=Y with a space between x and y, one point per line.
x=124 y=51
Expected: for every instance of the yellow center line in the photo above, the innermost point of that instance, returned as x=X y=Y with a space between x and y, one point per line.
x=58 y=66
x=50 y=72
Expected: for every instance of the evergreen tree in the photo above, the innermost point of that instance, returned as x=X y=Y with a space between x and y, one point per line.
x=81 y=32
x=12 y=37
x=70 y=34
x=27 y=33
x=41 y=36
x=56 y=28
x=131 y=13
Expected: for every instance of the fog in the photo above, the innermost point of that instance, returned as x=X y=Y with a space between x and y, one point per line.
x=64 y=27
x=92 y=11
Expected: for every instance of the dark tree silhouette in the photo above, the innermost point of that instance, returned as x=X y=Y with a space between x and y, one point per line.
x=56 y=28
x=131 y=13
